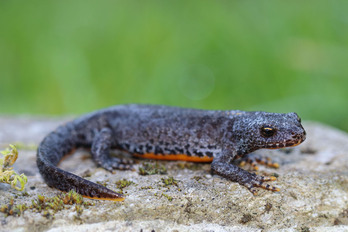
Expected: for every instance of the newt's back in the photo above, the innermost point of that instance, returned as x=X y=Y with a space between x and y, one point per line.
x=169 y=130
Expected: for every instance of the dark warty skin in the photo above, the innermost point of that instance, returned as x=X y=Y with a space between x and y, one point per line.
x=166 y=133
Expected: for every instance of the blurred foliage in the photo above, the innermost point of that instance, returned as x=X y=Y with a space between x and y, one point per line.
x=64 y=57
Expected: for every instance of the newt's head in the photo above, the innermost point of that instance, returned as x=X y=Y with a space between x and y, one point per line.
x=256 y=130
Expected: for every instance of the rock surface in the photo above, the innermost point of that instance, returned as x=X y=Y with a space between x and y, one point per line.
x=313 y=179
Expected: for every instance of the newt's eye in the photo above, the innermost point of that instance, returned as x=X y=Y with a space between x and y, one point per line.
x=268 y=131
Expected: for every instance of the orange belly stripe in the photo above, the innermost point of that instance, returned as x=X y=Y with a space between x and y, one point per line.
x=204 y=159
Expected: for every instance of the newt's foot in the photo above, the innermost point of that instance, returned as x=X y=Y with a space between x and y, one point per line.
x=254 y=159
x=112 y=163
x=259 y=182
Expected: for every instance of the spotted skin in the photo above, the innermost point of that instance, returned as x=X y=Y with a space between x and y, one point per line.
x=170 y=133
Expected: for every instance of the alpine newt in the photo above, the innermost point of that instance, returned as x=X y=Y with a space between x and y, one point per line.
x=171 y=133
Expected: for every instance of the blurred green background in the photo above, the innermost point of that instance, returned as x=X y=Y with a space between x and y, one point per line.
x=71 y=57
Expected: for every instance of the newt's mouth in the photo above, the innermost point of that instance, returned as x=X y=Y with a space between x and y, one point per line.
x=288 y=143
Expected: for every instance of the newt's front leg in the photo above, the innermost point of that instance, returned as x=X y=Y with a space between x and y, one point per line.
x=222 y=166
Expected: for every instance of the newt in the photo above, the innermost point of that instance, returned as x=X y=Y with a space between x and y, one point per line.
x=170 y=133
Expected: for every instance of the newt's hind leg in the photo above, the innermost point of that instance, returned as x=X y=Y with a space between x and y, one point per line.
x=101 y=152
x=255 y=159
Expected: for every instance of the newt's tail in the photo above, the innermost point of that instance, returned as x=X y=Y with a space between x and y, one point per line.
x=51 y=150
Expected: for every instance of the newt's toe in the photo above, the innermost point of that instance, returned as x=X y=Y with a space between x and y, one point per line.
x=269 y=187
x=268 y=178
x=261 y=182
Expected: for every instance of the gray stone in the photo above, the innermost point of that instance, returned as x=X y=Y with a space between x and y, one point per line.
x=313 y=179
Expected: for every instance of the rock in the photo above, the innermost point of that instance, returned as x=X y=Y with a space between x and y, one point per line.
x=313 y=179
